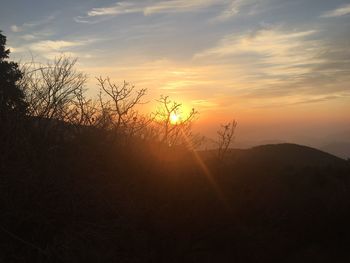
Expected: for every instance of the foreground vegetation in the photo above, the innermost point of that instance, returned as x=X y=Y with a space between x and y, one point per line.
x=95 y=181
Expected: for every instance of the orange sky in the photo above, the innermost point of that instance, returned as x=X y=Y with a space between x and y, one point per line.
x=280 y=67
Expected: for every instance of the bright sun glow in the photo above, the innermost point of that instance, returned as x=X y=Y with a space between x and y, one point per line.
x=174 y=118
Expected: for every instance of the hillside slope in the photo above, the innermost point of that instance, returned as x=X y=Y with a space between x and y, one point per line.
x=285 y=154
x=341 y=149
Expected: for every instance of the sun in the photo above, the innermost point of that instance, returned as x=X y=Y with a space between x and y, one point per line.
x=174 y=118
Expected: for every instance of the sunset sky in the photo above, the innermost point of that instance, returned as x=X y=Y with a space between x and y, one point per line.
x=281 y=68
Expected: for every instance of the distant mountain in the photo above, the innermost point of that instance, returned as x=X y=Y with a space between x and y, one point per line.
x=285 y=154
x=252 y=143
x=340 y=149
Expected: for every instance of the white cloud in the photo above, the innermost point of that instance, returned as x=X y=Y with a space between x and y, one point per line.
x=32 y=24
x=232 y=9
x=148 y=8
x=178 y=6
x=273 y=63
x=50 y=45
x=15 y=28
x=271 y=47
x=14 y=49
x=49 y=48
x=117 y=9
x=341 y=11
x=270 y=62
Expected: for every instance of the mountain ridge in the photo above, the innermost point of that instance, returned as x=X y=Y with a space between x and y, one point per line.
x=285 y=154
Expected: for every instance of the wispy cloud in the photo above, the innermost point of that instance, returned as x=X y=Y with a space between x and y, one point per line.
x=32 y=24
x=171 y=46
x=15 y=28
x=28 y=37
x=341 y=11
x=116 y=9
x=50 y=45
x=278 y=63
x=49 y=49
x=146 y=8
x=234 y=7
x=229 y=8
x=207 y=103
x=272 y=48
x=178 y=6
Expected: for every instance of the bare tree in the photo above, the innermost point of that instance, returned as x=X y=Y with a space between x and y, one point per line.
x=55 y=94
x=178 y=132
x=52 y=89
x=137 y=124
x=118 y=110
x=83 y=111
x=225 y=138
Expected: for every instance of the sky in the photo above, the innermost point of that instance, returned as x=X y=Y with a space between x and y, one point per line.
x=281 y=68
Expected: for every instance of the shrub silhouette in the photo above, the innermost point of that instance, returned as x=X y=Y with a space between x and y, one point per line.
x=225 y=138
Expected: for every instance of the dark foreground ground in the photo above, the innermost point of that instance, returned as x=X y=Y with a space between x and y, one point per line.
x=90 y=200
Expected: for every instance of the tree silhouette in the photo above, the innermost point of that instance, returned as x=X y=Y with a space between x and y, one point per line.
x=53 y=88
x=12 y=99
x=119 y=109
x=225 y=138
x=178 y=133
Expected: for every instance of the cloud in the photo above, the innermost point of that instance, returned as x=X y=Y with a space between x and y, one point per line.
x=50 y=45
x=267 y=49
x=117 y=9
x=32 y=24
x=32 y=31
x=274 y=63
x=28 y=37
x=54 y=48
x=178 y=6
x=16 y=29
x=50 y=49
x=230 y=8
x=235 y=6
x=15 y=49
x=146 y=8
x=341 y=11
x=204 y=103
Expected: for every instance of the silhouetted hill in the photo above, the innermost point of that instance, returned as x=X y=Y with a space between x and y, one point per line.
x=341 y=149
x=94 y=198
x=285 y=154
